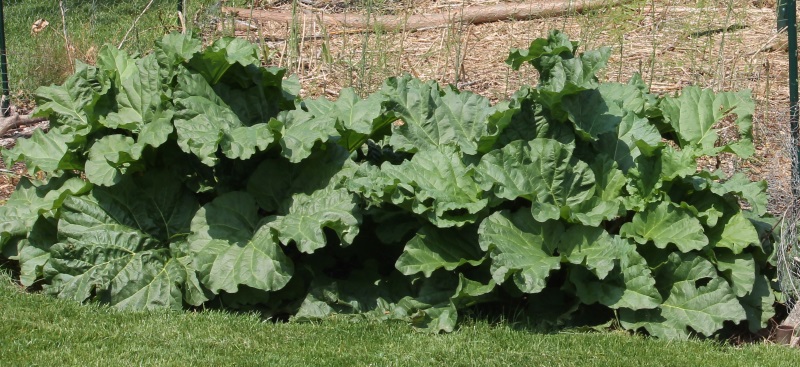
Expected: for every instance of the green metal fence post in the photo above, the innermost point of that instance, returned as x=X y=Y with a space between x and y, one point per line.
x=3 y=65
x=791 y=29
x=782 y=21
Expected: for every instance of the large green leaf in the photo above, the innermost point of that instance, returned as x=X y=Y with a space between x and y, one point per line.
x=666 y=223
x=232 y=248
x=521 y=248
x=202 y=118
x=431 y=117
x=276 y=180
x=309 y=215
x=696 y=113
x=623 y=145
x=759 y=305
x=34 y=252
x=703 y=308
x=542 y=171
x=75 y=106
x=46 y=152
x=110 y=157
x=630 y=286
x=32 y=199
x=736 y=234
x=300 y=132
x=99 y=258
x=438 y=185
x=254 y=93
x=176 y=48
x=356 y=119
x=593 y=113
x=156 y=203
x=141 y=96
x=753 y=192
x=593 y=248
x=607 y=202
x=433 y=248
x=213 y=62
x=739 y=270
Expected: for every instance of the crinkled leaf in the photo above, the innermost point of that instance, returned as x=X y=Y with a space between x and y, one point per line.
x=73 y=107
x=156 y=203
x=431 y=117
x=117 y=64
x=110 y=157
x=98 y=257
x=623 y=145
x=695 y=116
x=530 y=120
x=736 y=234
x=275 y=180
x=592 y=113
x=687 y=304
x=254 y=93
x=140 y=98
x=36 y=250
x=754 y=192
x=543 y=171
x=244 y=141
x=231 y=248
x=759 y=304
x=593 y=248
x=630 y=286
x=606 y=204
x=520 y=248
x=666 y=223
x=309 y=215
x=557 y=43
x=433 y=248
x=30 y=200
x=176 y=48
x=216 y=59
x=202 y=118
x=300 y=131
x=46 y=152
x=739 y=270
x=357 y=119
x=438 y=185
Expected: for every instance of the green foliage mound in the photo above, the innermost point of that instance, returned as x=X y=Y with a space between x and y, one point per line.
x=194 y=177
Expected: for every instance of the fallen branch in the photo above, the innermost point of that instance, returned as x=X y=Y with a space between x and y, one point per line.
x=8 y=123
x=465 y=15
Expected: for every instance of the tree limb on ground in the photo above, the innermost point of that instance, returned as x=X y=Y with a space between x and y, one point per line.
x=465 y=15
x=8 y=123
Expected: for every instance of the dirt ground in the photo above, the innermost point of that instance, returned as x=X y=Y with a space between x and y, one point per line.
x=724 y=45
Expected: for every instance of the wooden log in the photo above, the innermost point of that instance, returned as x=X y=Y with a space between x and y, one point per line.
x=465 y=15
x=8 y=123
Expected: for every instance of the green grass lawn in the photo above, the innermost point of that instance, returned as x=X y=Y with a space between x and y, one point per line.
x=40 y=330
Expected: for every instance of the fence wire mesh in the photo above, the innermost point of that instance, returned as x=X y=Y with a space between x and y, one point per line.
x=788 y=253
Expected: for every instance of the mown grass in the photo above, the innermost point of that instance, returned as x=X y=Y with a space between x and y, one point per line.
x=40 y=330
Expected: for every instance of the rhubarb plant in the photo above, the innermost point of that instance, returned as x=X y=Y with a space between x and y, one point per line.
x=195 y=177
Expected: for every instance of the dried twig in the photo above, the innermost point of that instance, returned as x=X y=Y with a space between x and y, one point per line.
x=135 y=21
x=66 y=37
